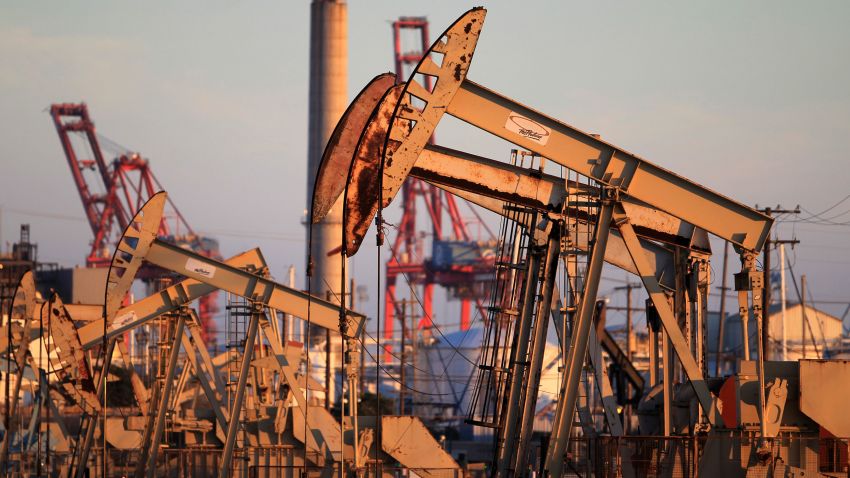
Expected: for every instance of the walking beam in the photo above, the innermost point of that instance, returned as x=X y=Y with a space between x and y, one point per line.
x=495 y=179
x=132 y=251
x=447 y=62
x=155 y=305
x=452 y=169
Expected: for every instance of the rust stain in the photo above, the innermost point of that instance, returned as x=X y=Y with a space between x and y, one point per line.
x=338 y=155
x=363 y=193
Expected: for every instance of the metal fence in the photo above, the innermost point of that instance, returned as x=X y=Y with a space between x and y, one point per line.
x=728 y=456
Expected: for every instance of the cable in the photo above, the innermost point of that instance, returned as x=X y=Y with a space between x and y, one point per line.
x=821 y=220
x=834 y=205
x=394 y=379
x=49 y=215
x=309 y=273
x=112 y=146
x=430 y=319
x=379 y=238
x=402 y=362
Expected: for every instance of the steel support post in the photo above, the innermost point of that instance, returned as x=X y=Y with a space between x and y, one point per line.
x=139 y=390
x=720 y=365
x=746 y=281
x=518 y=361
x=352 y=368
x=541 y=328
x=287 y=370
x=92 y=422
x=193 y=324
x=150 y=421
x=653 y=357
x=559 y=318
x=704 y=277
x=603 y=381
x=212 y=385
x=212 y=390
x=574 y=362
x=743 y=311
x=668 y=319
x=764 y=352
x=760 y=364
x=235 y=412
x=165 y=399
x=667 y=383
x=33 y=429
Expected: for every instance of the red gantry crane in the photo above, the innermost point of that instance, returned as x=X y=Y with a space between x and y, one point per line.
x=461 y=265
x=112 y=192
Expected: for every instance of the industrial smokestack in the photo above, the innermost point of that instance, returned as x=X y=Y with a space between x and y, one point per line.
x=328 y=100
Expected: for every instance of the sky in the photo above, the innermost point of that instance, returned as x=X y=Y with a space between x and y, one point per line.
x=748 y=98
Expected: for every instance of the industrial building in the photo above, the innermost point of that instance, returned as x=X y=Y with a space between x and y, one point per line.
x=809 y=335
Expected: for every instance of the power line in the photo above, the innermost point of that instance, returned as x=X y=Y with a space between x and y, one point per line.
x=49 y=215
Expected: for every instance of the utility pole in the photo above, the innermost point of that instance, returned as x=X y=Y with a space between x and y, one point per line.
x=288 y=319
x=781 y=243
x=782 y=301
x=629 y=331
x=765 y=331
x=803 y=305
x=627 y=411
x=764 y=354
x=722 y=319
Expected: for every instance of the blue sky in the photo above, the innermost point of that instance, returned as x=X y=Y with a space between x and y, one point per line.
x=748 y=98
